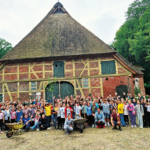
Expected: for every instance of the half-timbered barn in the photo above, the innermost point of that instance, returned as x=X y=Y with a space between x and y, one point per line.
x=61 y=47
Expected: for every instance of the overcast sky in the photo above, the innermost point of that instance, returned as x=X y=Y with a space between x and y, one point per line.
x=102 y=17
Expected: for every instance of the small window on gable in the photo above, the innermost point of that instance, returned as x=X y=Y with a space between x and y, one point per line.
x=58 y=69
x=33 y=86
x=85 y=83
x=108 y=67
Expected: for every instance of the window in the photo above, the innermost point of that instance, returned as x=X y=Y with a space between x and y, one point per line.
x=108 y=67
x=58 y=69
x=85 y=83
x=33 y=86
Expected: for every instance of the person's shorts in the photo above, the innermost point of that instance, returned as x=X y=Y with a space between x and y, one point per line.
x=106 y=115
x=115 y=122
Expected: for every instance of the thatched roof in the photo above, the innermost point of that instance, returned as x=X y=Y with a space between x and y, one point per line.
x=58 y=34
x=127 y=63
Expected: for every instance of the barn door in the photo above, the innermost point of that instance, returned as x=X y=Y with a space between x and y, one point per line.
x=1 y=98
x=120 y=89
x=67 y=89
x=55 y=93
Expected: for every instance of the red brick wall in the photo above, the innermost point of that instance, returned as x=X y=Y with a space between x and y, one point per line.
x=109 y=86
x=95 y=82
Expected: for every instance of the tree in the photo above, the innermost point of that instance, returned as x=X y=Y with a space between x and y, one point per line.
x=4 y=47
x=51 y=87
x=133 y=38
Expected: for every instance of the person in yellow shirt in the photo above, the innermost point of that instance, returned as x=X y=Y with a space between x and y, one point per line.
x=47 y=108
x=120 y=111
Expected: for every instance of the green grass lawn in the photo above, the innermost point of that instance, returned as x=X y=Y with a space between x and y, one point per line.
x=91 y=138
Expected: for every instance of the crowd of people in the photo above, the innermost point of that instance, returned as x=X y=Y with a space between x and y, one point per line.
x=99 y=112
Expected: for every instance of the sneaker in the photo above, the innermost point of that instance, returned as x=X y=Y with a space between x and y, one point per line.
x=132 y=126
x=114 y=128
x=108 y=124
x=93 y=126
x=67 y=133
x=141 y=127
x=49 y=128
x=120 y=129
x=1 y=132
x=105 y=124
x=135 y=126
x=37 y=129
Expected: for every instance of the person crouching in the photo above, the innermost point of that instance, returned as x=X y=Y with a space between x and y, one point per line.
x=115 y=120
x=68 y=126
x=43 y=123
x=99 y=119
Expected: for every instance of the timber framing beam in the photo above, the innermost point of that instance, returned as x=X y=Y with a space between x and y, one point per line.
x=68 y=78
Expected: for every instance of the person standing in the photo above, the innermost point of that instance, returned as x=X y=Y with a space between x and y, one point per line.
x=59 y=115
x=126 y=113
x=106 y=111
x=131 y=109
x=62 y=109
x=140 y=113
x=120 y=111
x=148 y=113
x=145 y=120
x=89 y=114
x=94 y=109
x=48 y=114
x=7 y=117
x=1 y=120
x=78 y=111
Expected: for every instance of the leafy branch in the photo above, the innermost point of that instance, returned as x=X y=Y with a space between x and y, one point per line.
x=51 y=83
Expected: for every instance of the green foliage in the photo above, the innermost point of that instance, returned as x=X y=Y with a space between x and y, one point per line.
x=133 y=38
x=137 y=90
x=147 y=97
x=147 y=85
x=4 y=47
x=51 y=83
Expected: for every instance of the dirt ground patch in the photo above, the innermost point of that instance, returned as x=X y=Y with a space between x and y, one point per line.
x=91 y=138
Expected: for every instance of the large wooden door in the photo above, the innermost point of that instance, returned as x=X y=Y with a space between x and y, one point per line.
x=120 y=89
x=67 y=89
x=61 y=88
x=49 y=94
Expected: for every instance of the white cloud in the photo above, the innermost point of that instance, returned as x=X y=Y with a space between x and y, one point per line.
x=102 y=17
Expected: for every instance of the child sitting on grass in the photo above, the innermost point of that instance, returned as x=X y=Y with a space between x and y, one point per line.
x=26 y=122
x=36 y=123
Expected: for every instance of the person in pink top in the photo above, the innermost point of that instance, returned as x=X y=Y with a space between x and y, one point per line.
x=131 y=110
x=13 y=116
x=1 y=120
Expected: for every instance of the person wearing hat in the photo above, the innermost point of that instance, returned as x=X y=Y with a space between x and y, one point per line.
x=47 y=108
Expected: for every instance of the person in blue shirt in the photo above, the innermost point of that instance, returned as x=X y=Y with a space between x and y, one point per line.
x=89 y=114
x=99 y=118
x=19 y=114
x=26 y=122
